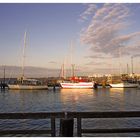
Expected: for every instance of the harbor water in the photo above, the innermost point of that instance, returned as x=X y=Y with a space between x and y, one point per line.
x=82 y=100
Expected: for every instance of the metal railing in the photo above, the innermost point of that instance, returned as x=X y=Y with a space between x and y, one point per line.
x=52 y=116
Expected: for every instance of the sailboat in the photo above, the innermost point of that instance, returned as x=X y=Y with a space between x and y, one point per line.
x=124 y=84
x=75 y=82
x=23 y=83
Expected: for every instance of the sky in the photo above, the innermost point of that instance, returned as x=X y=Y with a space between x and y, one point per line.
x=98 y=38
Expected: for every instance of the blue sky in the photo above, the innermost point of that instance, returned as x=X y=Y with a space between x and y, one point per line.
x=50 y=29
x=97 y=32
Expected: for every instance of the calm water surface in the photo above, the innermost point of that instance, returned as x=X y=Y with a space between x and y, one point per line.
x=71 y=100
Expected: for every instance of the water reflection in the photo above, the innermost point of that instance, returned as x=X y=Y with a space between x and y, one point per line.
x=76 y=91
x=75 y=94
x=117 y=93
x=76 y=99
x=70 y=100
x=116 y=90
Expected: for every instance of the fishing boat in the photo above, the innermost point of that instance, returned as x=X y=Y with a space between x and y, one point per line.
x=23 y=83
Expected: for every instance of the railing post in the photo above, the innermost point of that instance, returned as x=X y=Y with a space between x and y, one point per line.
x=66 y=126
x=79 y=127
x=53 y=127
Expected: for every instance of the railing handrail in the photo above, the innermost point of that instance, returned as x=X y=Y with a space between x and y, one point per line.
x=26 y=115
x=107 y=114
x=43 y=115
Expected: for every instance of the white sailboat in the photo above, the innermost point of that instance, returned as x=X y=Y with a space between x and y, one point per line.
x=124 y=84
x=23 y=83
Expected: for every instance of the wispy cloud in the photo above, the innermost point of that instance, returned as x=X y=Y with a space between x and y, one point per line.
x=105 y=33
x=52 y=62
x=136 y=55
x=94 y=63
x=91 y=8
x=98 y=56
x=106 y=70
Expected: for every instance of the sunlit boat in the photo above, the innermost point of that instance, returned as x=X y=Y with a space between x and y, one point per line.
x=81 y=85
x=124 y=85
x=27 y=84
x=77 y=83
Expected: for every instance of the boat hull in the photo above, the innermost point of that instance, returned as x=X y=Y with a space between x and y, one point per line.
x=81 y=85
x=124 y=85
x=28 y=87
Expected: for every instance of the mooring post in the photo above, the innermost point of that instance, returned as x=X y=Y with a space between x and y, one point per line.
x=1 y=85
x=54 y=87
x=95 y=85
x=66 y=126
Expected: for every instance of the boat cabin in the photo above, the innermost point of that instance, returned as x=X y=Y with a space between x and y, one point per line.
x=26 y=81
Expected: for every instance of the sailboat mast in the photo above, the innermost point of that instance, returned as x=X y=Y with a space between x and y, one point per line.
x=73 y=70
x=62 y=72
x=132 y=64
x=127 y=69
x=23 y=55
x=120 y=61
x=4 y=75
x=72 y=65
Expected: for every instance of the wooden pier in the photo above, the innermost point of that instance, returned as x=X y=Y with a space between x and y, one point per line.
x=79 y=116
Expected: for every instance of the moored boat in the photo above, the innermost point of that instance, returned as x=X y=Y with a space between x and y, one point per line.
x=124 y=85
x=81 y=85
x=27 y=84
x=76 y=82
x=23 y=83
